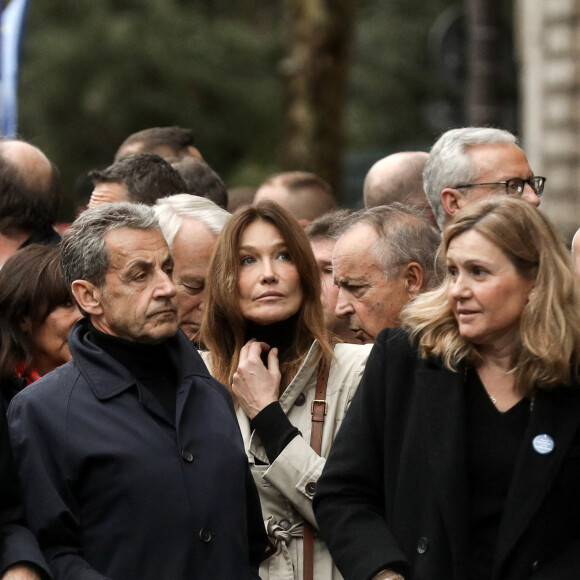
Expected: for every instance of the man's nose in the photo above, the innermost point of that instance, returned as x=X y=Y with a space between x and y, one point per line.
x=165 y=286
x=530 y=195
x=343 y=306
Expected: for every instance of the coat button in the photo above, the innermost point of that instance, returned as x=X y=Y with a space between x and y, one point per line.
x=284 y=524
x=300 y=400
x=310 y=487
x=423 y=545
x=187 y=456
x=205 y=535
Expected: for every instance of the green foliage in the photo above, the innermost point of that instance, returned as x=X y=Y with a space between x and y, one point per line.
x=94 y=71
x=391 y=73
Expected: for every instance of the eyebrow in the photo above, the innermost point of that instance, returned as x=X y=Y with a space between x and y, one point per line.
x=139 y=264
x=347 y=280
x=148 y=264
x=470 y=262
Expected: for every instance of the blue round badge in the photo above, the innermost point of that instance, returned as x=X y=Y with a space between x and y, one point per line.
x=543 y=444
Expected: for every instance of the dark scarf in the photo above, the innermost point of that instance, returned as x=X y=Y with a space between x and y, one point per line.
x=278 y=335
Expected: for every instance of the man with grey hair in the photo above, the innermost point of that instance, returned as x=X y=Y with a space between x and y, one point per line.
x=471 y=163
x=384 y=258
x=130 y=455
x=190 y=225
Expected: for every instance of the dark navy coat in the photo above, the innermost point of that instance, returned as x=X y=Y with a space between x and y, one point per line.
x=17 y=544
x=115 y=487
x=394 y=489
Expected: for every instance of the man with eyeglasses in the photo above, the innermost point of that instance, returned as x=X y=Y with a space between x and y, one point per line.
x=471 y=163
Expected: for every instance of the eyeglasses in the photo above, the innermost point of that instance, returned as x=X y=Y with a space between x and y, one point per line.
x=515 y=185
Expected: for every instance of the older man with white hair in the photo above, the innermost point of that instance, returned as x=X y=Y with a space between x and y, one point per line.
x=190 y=225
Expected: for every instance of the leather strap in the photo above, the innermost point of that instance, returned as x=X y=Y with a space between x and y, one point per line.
x=319 y=409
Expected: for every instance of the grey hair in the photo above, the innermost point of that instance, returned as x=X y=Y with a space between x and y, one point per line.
x=405 y=236
x=171 y=210
x=84 y=255
x=449 y=163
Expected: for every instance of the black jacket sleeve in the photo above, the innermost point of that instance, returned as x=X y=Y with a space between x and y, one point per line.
x=349 y=500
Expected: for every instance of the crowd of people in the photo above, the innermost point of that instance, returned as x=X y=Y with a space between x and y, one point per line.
x=288 y=390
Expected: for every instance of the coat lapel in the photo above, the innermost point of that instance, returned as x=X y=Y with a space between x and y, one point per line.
x=443 y=415
x=553 y=414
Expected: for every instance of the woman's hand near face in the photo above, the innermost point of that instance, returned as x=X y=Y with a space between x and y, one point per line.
x=254 y=384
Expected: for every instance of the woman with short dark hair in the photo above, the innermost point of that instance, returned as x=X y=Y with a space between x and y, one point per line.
x=36 y=313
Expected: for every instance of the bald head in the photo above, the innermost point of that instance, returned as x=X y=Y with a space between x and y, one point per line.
x=32 y=164
x=397 y=177
x=29 y=188
x=304 y=195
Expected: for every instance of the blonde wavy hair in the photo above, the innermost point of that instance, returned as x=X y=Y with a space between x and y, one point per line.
x=549 y=351
x=223 y=325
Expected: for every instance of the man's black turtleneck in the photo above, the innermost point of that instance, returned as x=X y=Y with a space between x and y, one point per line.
x=150 y=364
x=271 y=423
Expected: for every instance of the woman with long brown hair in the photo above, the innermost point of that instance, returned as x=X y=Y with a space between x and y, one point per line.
x=264 y=328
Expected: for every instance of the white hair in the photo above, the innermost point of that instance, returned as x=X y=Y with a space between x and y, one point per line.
x=449 y=163
x=171 y=210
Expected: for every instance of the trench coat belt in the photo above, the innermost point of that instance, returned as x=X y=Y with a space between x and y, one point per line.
x=280 y=564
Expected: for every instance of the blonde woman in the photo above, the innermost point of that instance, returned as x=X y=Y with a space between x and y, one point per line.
x=467 y=421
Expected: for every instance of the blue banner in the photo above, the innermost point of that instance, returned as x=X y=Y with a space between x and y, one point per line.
x=13 y=20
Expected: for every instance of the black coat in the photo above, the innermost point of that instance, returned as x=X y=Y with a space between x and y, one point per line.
x=116 y=487
x=17 y=544
x=394 y=489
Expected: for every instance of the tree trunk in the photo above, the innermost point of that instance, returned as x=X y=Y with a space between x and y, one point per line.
x=315 y=73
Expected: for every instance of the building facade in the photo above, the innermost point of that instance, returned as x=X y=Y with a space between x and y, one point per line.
x=548 y=52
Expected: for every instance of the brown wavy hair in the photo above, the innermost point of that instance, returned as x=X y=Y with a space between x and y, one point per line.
x=223 y=325
x=549 y=351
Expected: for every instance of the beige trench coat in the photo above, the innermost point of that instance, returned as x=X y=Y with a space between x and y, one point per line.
x=284 y=489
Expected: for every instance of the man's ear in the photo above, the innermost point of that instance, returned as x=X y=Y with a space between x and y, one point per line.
x=413 y=275
x=451 y=201
x=88 y=296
